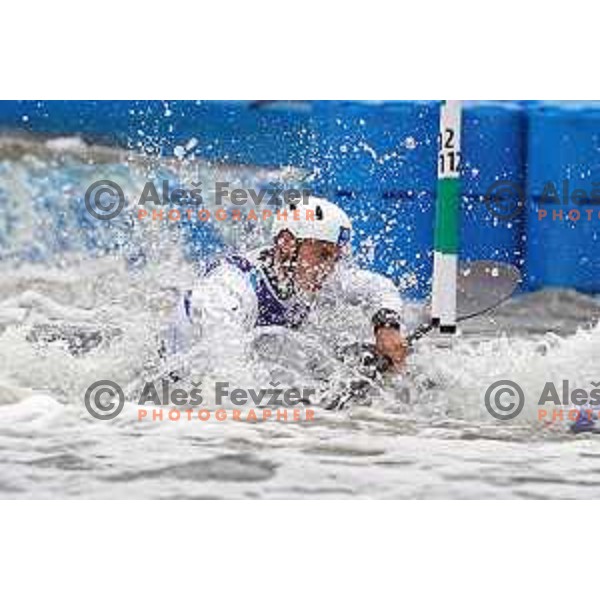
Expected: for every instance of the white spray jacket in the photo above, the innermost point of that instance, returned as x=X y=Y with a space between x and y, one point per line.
x=237 y=296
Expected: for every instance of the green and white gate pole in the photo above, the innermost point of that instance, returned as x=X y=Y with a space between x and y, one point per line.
x=445 y=255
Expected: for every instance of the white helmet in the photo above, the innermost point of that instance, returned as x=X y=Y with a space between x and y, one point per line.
x=316 y=219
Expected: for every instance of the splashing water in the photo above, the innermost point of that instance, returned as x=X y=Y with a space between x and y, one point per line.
x=427 y=434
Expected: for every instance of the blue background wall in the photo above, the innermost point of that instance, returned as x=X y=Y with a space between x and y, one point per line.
x=378 y=160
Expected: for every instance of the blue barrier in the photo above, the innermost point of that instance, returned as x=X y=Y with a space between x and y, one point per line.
x=263 y=134
x=493 y=151
x=494 y=145
x=383 y=147
x=564 y=152
x=393 y=235
x=392 y=201
x=100 y=121
x=378 y=160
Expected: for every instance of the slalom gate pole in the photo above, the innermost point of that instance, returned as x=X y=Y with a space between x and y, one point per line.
x=445 y=255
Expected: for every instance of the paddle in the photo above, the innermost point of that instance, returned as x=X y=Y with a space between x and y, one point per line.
x=482 y=286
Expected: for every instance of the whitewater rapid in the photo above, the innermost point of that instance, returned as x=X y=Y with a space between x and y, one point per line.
x=425 y=435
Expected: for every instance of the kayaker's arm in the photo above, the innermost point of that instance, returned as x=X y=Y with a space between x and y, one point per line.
x=379 y=295
x=219 y=312
x=389 y=339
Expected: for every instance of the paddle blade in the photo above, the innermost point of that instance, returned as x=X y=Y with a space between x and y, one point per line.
x=483 y=285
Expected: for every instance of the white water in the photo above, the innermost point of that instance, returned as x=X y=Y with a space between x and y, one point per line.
x=428 y=436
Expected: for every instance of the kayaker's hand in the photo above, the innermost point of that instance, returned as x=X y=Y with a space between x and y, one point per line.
x=391 y=343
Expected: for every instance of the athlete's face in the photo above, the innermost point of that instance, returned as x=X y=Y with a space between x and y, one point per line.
x=307 y=263
x=315 y=262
